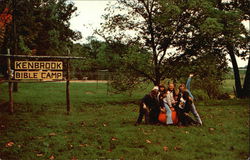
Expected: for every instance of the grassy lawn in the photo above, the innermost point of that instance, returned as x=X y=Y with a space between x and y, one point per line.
x=101 y=126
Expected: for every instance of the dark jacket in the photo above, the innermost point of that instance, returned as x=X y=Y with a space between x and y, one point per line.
x=151 y=102
x=188 y=104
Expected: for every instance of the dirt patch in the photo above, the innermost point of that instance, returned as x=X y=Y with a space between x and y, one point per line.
x=89 y=93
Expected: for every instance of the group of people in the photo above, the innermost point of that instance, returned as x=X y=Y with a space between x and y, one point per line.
x=169 y=106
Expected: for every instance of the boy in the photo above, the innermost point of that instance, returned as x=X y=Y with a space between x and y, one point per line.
x=149 y=107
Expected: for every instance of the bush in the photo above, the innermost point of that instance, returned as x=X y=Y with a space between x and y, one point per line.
x=122 y=81
x=210 y=86
x=199 y=95
x=224 y=96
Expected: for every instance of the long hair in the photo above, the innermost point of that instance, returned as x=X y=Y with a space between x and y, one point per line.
x=184 y=86
x=162 y=86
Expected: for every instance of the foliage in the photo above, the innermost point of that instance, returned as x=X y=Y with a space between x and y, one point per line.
x=235 y=39
x=210 y=70
x=176 y=33
x=94 y=58
x=116 y=58
x=124 y=80
x=42 y=26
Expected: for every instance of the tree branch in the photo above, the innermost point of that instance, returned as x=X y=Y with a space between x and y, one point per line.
x=141 y=72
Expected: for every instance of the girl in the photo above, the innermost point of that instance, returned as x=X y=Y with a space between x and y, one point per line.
x=167 y=115
x=184 y=106
x=186 y=88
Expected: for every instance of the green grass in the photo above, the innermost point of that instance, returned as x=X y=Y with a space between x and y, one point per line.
x=54 y=93
x=228 y=86
x=101 y=126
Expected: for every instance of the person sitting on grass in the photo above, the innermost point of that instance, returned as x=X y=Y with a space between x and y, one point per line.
x=149 y=107
x=170 y=101
x=162 y=115
x=186 y=88
x=183 y=107
x=169 y=120
x=162 y=90
x=167 y=115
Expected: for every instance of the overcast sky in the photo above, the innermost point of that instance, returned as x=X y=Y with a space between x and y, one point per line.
x=89 y=18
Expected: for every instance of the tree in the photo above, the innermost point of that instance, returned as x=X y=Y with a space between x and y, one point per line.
x=39 y=27
x=94 y=58
x=236 y=38
x=5 y=19
x=210 y=70
x=246 y=87
x=171 y=31
x=176 y=32
x=42 y=27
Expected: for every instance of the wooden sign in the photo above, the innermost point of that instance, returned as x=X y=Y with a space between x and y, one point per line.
x=46 y=75
x=38 y=65
x=46 y=70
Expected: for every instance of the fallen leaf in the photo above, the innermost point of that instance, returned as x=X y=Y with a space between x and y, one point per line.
x=39 y=155
x=165 y=148
x=148 y=141
x=9 y=144
x=177 y=148
x=114 y=139
x=52 y=134
x=83 y=145
x=52 y=157
x=211 y=129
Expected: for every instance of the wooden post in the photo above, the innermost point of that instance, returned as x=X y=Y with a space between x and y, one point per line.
x=14 y=49
x=67 y=86
x=108 y=83
x=11 y=110
x=97 y=77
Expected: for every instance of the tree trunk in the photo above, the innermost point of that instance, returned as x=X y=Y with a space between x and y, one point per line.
x=15 y=87
x=246 y=87
x=238 y=86
x=157 y=82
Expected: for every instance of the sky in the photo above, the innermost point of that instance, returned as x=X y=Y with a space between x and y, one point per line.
x=90 y=16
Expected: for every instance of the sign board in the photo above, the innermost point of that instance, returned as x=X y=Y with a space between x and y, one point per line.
x=46 y=70
x=38 y=65
x=39 y=75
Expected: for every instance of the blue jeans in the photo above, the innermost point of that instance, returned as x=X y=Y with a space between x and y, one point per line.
x=195 y=113
x=168 y=114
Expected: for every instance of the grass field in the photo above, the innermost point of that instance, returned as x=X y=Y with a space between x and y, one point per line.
x=101 y=126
